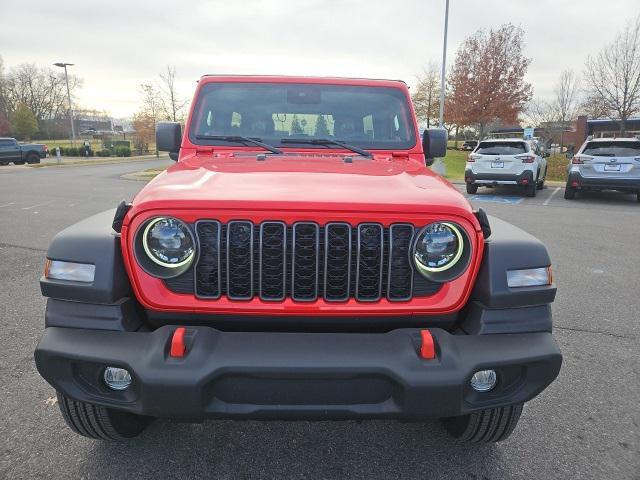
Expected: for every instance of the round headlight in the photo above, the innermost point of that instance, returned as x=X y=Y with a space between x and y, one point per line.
x=168 y=242
x=441 y=251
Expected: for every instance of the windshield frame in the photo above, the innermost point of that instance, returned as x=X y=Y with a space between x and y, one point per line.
x=406 y=109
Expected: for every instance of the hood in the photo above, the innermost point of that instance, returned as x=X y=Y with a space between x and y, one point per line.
x=300 y=182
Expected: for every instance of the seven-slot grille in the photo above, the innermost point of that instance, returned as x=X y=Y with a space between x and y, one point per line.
x=305 y=262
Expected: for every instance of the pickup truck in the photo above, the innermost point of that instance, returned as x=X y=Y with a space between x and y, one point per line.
x=19 y=153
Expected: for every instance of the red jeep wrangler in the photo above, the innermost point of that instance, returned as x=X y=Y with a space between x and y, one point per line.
x=299 y=261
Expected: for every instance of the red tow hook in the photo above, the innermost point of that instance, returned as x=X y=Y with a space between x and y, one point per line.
x=178 y=348
x=428 y=348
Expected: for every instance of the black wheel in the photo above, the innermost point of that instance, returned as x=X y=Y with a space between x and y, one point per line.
x=472 y=188
x=33 y=158
x=486 y=426
x=638 y=197
x=18 y=162
x=530 y=189
x=4 y=164
x=569 y=193
x=100 y=423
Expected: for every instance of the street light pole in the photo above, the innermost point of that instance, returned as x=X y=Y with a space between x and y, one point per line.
x=444 y=64
x=66 y=77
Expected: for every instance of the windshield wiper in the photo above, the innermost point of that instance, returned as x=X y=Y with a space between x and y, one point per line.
x=326 y=142
x=239 y=138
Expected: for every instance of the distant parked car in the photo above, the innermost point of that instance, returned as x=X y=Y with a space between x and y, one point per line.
x=605 y=164
x=469 y=145
x=509 y=161
x=19 y=153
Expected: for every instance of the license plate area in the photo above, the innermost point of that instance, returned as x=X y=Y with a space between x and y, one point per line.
x=497 y=164
x=612 y=168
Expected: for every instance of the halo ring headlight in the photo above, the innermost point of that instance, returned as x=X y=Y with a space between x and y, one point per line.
x=441 y=251
x=164 y=247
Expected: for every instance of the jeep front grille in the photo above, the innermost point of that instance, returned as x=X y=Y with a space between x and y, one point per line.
x=304 y=262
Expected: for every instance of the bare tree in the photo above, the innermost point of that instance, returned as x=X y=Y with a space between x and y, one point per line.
x=566 y=100
x=614 y=74
x=173 y=104
x=426 y=96
x=149 y=111
x=42 y=90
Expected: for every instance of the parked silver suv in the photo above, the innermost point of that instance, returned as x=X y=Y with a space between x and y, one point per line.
x=507 y=161
x=605 y=164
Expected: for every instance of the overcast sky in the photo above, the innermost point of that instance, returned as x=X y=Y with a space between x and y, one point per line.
x=117 y=45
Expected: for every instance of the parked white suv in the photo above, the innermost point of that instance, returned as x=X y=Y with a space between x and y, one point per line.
x=605 y=164
x=508 y=161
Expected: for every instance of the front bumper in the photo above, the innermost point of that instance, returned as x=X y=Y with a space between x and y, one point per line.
x=296 y=375
x=575 y=180
x=524 y=178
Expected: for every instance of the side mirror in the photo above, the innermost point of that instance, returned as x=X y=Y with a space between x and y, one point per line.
x=169 y=138
x=434 y=144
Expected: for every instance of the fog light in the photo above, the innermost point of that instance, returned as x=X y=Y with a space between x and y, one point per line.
x=484 y=380
x=117 y=378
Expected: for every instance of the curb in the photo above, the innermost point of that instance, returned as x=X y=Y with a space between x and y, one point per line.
x=82 y=161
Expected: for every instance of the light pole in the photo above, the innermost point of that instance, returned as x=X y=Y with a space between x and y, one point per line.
x=444 y=64
x=66 y=77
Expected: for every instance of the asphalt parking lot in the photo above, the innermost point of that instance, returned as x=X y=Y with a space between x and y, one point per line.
x=585 y=426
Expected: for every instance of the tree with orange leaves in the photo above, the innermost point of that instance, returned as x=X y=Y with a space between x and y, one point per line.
x=486 y=82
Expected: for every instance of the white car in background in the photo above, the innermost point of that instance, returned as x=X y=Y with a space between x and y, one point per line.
x=507 y=161
x=605 y=164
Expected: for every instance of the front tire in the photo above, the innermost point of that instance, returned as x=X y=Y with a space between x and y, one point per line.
x=472 y=188
x=100 y=423
x=485 y=426
x=540 y=184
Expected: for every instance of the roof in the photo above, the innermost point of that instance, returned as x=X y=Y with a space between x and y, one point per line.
x=305 y=79
x=620 y=139
x=515 y=139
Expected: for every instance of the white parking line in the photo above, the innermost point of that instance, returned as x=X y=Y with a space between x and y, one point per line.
x=38 y=205
x=7 y=204
x=546 y=202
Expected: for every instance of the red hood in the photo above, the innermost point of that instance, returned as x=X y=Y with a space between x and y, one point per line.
x=300 y=181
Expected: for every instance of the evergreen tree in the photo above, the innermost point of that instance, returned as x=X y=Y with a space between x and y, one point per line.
x=24 y=122
x=296 y=128
x=321 y=129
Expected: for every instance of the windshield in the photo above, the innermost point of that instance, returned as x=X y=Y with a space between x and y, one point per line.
x=367 y=117
x=501 y=148
x=612 y=149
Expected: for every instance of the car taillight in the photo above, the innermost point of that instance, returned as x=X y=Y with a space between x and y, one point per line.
x=46 y=149
x=473 y=158
x=526 y=158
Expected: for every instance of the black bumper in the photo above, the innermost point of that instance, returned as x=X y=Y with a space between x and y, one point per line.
x=525 y=177
x=575 y=180
x=296 y=375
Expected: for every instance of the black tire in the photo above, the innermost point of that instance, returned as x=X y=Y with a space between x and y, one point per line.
x=18 y=162
x=4 y=164
x=486 y=426
x=100 y=423
x=33 y=158
x=530 y=189
x=569 y=193
x=472 y=188
x=638 y=197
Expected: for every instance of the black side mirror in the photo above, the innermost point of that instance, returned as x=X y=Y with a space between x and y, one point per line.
x=434 y=144
x=169 y=138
